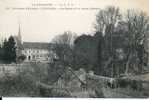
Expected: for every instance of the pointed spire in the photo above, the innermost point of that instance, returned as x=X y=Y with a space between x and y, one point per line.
x=19 y=33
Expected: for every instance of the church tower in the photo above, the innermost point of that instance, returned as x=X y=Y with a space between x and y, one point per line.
x=19 y=34
x=19 y=45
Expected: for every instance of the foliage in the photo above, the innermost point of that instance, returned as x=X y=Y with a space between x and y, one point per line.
x=66 y=38
x=22 y=57
x=20 y=84
x=106 y=19
x=8 y=50
x=123 y=37
x=85 y=50
x=63 y=47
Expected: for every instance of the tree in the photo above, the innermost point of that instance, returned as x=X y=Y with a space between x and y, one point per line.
x=87 y=52
x=5 y=46
x=1 y=49
x=63 y=46
x=84 y=50
x=9 y=50
x=100 y=45
x=21 y=58
x=126 y=33
x=106 y=21
x=138 y=26
x=1 y=53
x=67 y=38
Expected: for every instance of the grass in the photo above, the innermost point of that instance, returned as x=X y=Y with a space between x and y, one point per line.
x=18 y=85
x=24 y=82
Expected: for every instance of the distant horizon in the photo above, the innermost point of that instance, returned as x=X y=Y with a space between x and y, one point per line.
x=42 y=26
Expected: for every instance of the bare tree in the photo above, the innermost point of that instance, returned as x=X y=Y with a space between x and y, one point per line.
x=137 y=23
x=63 y=48
x=67 y=38
x=138 y=27
x=107 y=18
x=106 y=21
x=63 y=45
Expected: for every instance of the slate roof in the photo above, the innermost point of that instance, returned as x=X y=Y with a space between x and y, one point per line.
x=37 y=45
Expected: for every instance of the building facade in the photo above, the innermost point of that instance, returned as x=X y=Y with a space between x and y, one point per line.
x=37 y=51
x=33 y=51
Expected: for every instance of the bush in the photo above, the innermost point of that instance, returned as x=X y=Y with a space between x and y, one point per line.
x=21 y=84
x=21 y=57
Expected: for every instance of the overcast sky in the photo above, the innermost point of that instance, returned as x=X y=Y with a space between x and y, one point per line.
x=43 y=25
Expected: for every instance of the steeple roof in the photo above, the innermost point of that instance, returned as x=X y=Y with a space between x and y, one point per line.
x=19 y=33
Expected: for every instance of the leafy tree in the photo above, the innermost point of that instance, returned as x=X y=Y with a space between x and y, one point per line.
x=84 y=52
x=87 y=54
x=5 y=46
x=1 y=50
x=21 y=57
x=99 y=47
x=9 y=50
x=1 y=53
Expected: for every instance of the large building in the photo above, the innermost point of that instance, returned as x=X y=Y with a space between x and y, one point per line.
x=37 y=51
x=34 y=51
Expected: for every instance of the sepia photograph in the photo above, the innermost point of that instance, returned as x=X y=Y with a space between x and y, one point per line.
x=74 y=48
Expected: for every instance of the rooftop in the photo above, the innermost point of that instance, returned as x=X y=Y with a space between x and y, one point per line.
x=37 y=45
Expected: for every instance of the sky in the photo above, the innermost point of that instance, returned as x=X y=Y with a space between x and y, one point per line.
x=42 y=25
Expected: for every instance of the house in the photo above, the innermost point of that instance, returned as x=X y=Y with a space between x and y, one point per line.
x=37 y=51
x=34 y=51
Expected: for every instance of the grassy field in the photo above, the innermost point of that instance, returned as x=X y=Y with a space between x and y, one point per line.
x=24 y=82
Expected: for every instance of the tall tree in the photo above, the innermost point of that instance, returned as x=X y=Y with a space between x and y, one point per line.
x=85 y=52
x=63 y=46
x=9 y=50
x=138 y=27
x=5 y=54
x=106 y=21
x=67 y=38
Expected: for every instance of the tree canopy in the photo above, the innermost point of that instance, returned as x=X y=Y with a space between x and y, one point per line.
x=8 y=50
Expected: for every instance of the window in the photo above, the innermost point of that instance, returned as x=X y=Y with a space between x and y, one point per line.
x=29 y=57
x=33 y=56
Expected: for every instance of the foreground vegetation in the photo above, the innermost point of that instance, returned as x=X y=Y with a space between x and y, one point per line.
x=33 y=80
